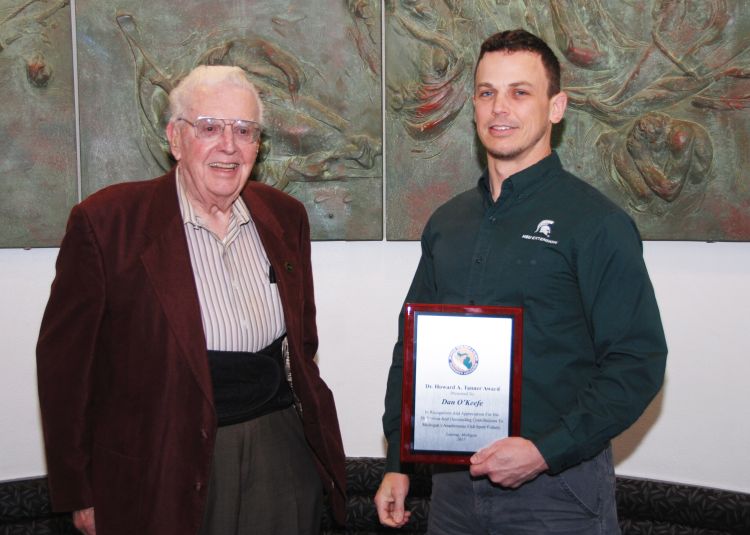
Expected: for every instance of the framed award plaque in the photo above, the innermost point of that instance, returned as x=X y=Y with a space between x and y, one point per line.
x=462 y=380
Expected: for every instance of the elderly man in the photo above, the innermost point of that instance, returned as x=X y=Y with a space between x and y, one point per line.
x=177 y=384
x=534 y=236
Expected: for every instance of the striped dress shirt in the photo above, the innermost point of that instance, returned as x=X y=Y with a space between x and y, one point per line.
x=240 y=304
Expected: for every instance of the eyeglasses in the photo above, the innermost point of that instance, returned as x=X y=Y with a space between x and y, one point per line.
x=213 y=128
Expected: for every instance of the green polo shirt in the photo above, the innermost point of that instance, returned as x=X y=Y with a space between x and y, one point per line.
x=593 y=347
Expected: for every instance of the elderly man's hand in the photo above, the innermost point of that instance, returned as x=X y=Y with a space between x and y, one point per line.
x=83 y=520
x=389 y=500
x=509 y=462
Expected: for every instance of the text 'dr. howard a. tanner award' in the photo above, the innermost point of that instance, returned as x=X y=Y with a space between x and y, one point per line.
x=462 y=380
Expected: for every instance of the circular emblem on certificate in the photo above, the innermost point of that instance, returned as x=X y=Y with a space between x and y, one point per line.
x=463 y=359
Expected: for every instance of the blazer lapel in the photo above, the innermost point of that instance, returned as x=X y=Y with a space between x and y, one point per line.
x=167 y=263
x=270 y=231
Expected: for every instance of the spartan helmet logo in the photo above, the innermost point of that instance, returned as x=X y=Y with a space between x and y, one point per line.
x=544 y=227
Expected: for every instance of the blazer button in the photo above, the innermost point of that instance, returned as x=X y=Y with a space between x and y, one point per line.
x=204 y=435
x=198 y=486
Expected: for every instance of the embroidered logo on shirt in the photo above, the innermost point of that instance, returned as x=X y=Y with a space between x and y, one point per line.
x=545 y=229
x=463 y=359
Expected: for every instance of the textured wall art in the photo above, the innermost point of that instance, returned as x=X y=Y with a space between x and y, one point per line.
x=316 y=64
x=38 y=183
x=658 y=115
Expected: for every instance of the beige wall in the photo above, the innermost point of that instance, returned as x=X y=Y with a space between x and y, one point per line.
x=696 y=432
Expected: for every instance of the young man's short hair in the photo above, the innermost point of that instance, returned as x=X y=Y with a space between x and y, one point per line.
x=519 y=40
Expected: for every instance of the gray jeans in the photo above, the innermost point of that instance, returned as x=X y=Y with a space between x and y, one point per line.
x=578 y=501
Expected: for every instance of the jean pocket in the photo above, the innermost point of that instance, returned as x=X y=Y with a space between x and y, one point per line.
x=587 y=482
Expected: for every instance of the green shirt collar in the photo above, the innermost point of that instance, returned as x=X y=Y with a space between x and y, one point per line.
x=526 y=181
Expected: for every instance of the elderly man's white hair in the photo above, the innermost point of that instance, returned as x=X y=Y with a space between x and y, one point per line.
x=208 y=76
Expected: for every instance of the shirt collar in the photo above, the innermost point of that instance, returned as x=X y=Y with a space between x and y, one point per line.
x=240 y=212
x=527 y=180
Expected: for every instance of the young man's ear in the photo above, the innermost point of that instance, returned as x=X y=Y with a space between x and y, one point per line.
x=558 y=105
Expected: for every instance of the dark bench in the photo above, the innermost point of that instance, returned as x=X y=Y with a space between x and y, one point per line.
x=644 y=506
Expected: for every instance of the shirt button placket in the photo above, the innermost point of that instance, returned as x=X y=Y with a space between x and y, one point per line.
x=481 y=252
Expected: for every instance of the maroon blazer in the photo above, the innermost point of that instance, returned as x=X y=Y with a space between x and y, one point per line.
x=124 y=384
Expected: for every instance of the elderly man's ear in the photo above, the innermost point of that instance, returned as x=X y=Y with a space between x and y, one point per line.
x=172 y=136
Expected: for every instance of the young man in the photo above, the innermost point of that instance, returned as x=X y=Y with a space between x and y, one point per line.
x=534 y=236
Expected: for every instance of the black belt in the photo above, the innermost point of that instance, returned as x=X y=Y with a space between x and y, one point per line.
x=248 y=385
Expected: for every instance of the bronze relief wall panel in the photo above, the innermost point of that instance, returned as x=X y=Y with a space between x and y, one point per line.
x=658 y=118
x=316 y=65
x=658 y=115
x=38 y=182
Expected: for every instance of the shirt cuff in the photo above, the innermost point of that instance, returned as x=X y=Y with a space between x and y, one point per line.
x=558 y=449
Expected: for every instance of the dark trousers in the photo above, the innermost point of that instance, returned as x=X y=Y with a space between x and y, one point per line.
x=578 y=501
x=263 y=480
